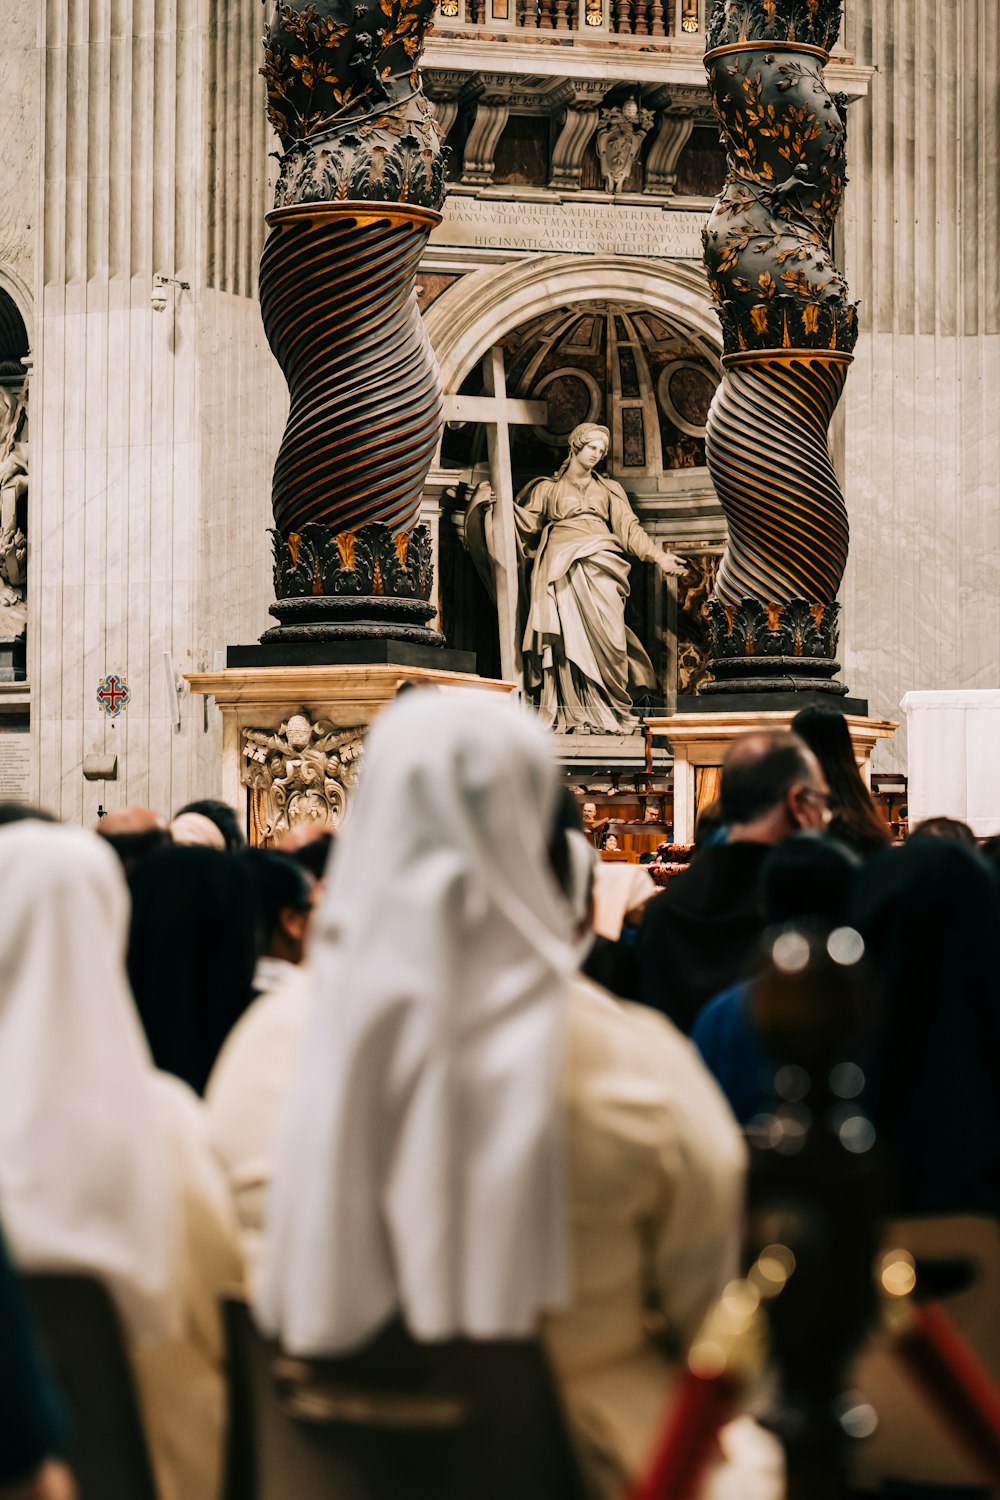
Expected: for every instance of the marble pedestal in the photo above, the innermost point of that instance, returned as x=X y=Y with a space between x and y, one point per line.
x=700 y=740
x=292 y=735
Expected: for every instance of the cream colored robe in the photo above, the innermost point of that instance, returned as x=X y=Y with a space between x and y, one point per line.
x=656 y=1168
x=181 y=1385
x=246 y=1092
x=579 y=655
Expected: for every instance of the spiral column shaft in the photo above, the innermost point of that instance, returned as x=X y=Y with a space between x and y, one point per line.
x=770 y=463
x=340 y=313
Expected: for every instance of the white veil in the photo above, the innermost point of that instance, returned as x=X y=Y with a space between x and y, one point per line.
x=84 y=1169
x=420 y=1166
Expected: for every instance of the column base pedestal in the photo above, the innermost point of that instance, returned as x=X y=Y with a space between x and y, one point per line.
x=700 y=738
x=295 y=715
x=769 y=700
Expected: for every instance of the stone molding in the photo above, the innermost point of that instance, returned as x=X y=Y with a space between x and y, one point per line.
x=474 y=314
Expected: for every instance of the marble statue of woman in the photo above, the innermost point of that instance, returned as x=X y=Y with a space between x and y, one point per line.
x=576 y=532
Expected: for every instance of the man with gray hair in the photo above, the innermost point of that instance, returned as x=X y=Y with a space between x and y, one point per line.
x=698 y=936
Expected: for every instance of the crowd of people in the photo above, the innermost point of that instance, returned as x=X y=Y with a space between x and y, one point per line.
x=364 y=1089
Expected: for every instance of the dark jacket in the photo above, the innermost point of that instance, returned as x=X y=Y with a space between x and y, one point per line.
x=697 y=937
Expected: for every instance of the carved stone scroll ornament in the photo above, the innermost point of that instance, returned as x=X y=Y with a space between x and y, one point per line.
x=788 y=330
x=301 y=773
x=360 y=182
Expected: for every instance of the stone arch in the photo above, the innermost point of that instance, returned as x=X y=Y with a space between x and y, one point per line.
x=479 y=309
x=15 y=316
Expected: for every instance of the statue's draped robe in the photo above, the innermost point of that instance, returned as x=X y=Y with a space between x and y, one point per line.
x=580 y=658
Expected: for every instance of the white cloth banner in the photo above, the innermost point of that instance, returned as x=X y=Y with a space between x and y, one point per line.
x=954 y=757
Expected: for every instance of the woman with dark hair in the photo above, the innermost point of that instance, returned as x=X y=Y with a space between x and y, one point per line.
x=856 y=821
x=930 y=914
x=191 y=955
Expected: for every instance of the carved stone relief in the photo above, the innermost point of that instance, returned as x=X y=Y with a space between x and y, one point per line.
x=620 y=135
x=303 y=772
x=13 y=515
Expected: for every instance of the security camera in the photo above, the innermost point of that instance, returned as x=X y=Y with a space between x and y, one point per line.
x=158 y=295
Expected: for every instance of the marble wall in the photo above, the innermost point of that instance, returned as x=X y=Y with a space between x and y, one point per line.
x=921 y=419
x=153 y=432
x=19 y=133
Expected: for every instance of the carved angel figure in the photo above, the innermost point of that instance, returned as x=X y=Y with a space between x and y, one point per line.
x=576 y=532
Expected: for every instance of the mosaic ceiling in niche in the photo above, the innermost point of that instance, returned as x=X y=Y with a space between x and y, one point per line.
x=646 y=378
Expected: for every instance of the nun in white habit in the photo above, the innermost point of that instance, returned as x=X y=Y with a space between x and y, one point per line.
x=476 y=1139
x=104 y=1163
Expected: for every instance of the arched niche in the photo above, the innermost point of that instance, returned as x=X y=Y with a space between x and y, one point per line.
x=486 y=311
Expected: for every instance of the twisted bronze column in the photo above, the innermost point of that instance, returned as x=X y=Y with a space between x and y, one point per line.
x=361 y=179
x=788 y=330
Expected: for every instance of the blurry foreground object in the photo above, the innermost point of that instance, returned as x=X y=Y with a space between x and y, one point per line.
x=398 y=1421
x=104 y=1168
x=32 y=1420
x=806 y=878
x=812 y=1233
x=930 y=915
x=824 y=1268
x=596 y=1199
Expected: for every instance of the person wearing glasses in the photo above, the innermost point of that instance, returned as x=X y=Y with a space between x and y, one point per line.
x=698 y=935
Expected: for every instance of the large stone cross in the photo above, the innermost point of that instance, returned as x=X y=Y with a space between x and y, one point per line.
x=498 y=413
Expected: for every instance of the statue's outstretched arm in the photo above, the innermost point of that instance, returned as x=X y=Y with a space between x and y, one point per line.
x=636 y=541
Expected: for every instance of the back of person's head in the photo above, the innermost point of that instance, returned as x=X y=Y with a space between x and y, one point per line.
x=134 y=832
x=223 y=816
x=191 y=956
x=311 y=846
x=808 y=876
x=192 y=830
x=759 y=772
x=20 y=812
x=284 y=891
x=945 y=828
x=858 y=821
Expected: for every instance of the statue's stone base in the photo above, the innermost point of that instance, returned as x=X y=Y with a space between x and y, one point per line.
x=293 y=730
x=700 y=740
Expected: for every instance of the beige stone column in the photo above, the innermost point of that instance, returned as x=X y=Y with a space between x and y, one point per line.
x=153 y=432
